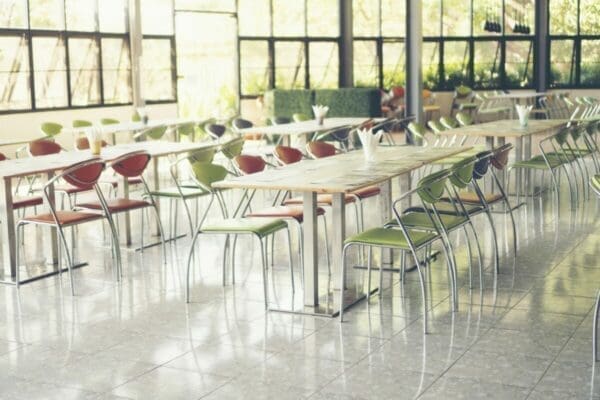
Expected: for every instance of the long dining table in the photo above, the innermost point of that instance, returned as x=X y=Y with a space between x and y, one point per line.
x=48 y=166
x=339 y=175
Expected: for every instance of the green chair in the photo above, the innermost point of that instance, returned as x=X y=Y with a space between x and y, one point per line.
x=186 y=130
x=205 y=174
x=80 y=123
x=155 y=133
x=595 y=184
x=404 y=238
x=109 y=121
x=464 y=100
x=449 y=122
x=420 y=133
x=299 y=117
x=51 y=129
x=464 y=119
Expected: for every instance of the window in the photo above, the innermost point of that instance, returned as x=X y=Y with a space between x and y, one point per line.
x=590 y=63
x=394 y=63
x=116 y=71
x=81 y=15
x=157 y=70
x=13 y=14
x=50 y=72
x=14 y=73
x=47 y=14
x=486 y=64
x=287 y=44
x=562 y=66
x=366 y=62
x=84 y=71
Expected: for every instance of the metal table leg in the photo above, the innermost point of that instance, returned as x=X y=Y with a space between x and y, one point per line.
x=7 y=226
x=311 y=250
x=51 y=245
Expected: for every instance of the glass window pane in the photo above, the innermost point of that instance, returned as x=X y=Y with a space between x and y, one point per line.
x=254 y=18
x=13 y=13
x=47 y=14
x=432 y=10
x=486 y=64
x=116 y=71
x=254 y=67
x=457 y=18
x=563 y=17
x=431 y=65
x=14 y=73
x=157 y=17
x=288 y=18
x=394 y=71
x=393 y=17
x=456 y=64
x=206 y=5
x=365 y=18
x=85 y=74
x=562 y=70
x=113 y=16
x=365 y=64
x=50 y=73
x=589 y=23
x=519 y=64
x=323 y=17
x=590 y=63
x=81 y=15
x=157 y=69
x=289 y=65
x=485 y=11
x=324 y=65
x=520 y=13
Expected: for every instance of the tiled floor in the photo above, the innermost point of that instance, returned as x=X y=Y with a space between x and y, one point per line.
x=529 y=337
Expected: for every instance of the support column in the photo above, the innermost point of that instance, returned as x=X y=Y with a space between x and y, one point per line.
x=346 y=49
x=541 y=45
x=135 y=47
x=414 y=48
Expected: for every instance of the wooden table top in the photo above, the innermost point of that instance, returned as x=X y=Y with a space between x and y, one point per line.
x=43 y=164
x=305 y=127
x=509 y=128
x=342 y=173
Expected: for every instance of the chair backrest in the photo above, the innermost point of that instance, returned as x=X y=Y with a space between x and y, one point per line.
x=320 y=149
x=187 y=129
x=241 y=123
x=499 y=159
x=449 y=122
x=482 y=164
x=43 y=147
x=84 y=175
x=299 y=117
x=249 y=164
x=205 y=174
x=215 y=130
x=462 y=172
x=204 y=155
x=81 y=123
x=233 y=148
x=155 y=133
x=432 y=187
x=82 y=143
x=463 y=92
x=132 y=164
x=51 y=129
x=280 y=120
x=136 y=117
x=595 y=184
x=109 y=121
x=436 y=126
x=287 y=155
x=417 y=130
x=2 y=157
x=464 y=119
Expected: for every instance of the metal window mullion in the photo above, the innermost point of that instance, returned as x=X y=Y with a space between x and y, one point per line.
x=100 y=67
x=65 y=41
x=306 y=63
x=379 y=52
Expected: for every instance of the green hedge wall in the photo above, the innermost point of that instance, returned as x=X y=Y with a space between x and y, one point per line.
x=343 y=102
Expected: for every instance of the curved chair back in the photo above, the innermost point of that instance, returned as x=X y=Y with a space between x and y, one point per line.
x=188 y=129
x=449 y=122
x=204 y=155
x=499 y=159
x=84 y=175
x=233 y=148
x=463 y=92
x=280 y=120
x=417 y=130
x=132 y=164
x=299 y=117
x=82 y=143
x=2 y=157
x=320 y=149
x=431 y=188
x=215 y=130
x=436 y=126
x=155 y=133
x=109 y=121
x=51 y=129
x=482 y=164
x=595 y=183
x=81 y=123
x=464 y=119
x=205 y=174
x=241 y=123
x=43 y=147
x=249 y=164
x=287 y=155
x=462 y=172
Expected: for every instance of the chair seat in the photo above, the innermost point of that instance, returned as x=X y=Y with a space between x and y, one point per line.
x=173 y=192
x=595 y=182
x=472 y=198
x=538 y=164
x=116 y=205
x=64 y=218
x=391 y=237
x=22 y=202
x=258 y=226
x=325 y=199
x=69 y=189
x=365 y=193
x=423 y=221
x=296 y=212
x=468 y=106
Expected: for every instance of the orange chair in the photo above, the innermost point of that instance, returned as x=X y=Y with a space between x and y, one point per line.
x=129 y=166
x=83 y=175
x=247 y=165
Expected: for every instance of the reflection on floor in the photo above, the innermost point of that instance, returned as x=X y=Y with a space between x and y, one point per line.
x=530 y=337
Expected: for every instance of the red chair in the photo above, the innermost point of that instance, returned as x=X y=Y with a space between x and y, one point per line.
x=131 y=165
x=247 y=165
x=83 y=175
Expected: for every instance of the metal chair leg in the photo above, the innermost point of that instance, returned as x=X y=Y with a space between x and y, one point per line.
x=289 y=243
x=189 y=265
x=595 y=328
x=423 y=293
x=263 y=256
x=369 y=265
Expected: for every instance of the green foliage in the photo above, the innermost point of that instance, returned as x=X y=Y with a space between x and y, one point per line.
x=350 y=102
x=285 y=103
